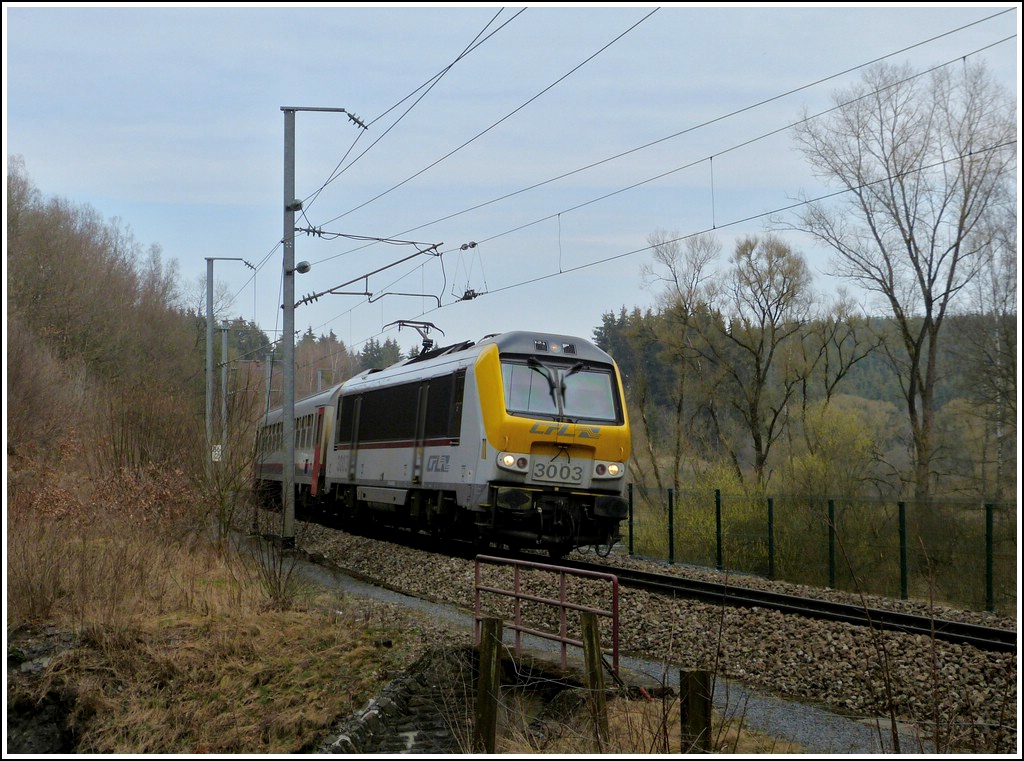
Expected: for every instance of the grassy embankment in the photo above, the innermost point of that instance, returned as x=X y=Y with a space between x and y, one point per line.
x=181 y=644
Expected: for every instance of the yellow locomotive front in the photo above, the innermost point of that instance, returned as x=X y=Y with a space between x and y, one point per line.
x=556 y=443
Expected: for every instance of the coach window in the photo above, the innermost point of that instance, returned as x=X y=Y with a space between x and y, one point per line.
x=455 y=422
x=346 y=406
x=389 y=414
x=439 y=403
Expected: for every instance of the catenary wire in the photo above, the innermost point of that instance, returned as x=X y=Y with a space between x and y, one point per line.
x=671 y=136
x=681 y=133
x=688 y=165
x=429 y=85
x=663 y=139
x=642 y=249
x=495 y=124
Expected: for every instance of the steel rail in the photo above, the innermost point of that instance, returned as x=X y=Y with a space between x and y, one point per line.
x=985 y=638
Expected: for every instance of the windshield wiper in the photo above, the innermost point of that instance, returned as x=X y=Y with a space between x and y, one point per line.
x=545 y=372
x=572 y=371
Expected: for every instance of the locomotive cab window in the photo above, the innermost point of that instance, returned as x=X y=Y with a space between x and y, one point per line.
x=577 y=391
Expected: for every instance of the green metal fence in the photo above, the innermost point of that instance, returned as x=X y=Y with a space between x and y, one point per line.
x=946 y=553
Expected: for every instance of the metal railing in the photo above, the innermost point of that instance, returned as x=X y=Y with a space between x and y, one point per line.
x=517 y=595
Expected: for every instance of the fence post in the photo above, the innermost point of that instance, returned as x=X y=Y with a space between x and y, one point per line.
x=671 y=532
x=629 y=494
x=903 y=550
x=694 y=711
x=718 y=529
x=594 y=669
x=486 y=725
x=832 y=544
x=771 y=538
x=990 y=602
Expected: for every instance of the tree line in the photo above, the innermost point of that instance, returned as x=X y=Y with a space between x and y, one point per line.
x=831 y=418
x=924 y=221
x=106 y=345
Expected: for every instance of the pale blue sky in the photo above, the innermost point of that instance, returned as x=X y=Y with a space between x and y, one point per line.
x=169 y=118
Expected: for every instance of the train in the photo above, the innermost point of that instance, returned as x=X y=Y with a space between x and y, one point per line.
x=518 y=440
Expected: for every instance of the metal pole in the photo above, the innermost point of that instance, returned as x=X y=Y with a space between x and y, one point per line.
x=209 y=361
x=671 y=532
x=267 y=369
x=288 y=336
x=209 y=351
x=832 y=543
x=223 y=389
x=291 y=205
x=990 y=599
x=904 y=585
x=719 y=564
x=629 y=488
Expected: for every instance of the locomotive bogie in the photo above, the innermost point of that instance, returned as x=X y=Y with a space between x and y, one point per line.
x=521 y=439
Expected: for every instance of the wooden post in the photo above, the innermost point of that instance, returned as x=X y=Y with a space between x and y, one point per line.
x=488 y=685
x=594 y=669
x=695 y=710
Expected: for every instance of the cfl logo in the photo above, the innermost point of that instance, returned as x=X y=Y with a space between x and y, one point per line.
x=439 y=463
x=582 y=432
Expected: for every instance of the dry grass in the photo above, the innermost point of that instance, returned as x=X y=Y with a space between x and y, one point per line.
x=247 y=682
x=180 y=645
x=177 y=648
x=636 y=725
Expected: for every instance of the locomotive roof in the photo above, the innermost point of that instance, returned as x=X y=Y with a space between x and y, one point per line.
x=522 y=342
x=512 y=342
x=530 y=342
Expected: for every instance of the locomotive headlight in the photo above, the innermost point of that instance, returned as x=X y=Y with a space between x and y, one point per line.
x=608 y=470
x=514 y=462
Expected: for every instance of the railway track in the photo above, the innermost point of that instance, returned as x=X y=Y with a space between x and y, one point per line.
x=829 y=662
x=982 y=637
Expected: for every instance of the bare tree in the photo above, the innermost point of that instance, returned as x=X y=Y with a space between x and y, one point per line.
x=987 y=343
x=767 y=298
x=683 y=273
x=108 y=328
x=834 y=342
x=925 y=161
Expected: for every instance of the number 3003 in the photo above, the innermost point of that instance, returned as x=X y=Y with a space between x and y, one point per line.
x=557 y=471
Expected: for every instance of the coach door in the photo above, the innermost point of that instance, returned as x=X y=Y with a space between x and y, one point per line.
x=323 y=416
x=353 y=442
x=421 y=424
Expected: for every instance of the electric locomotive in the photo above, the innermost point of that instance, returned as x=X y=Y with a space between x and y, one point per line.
x=521 y=439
